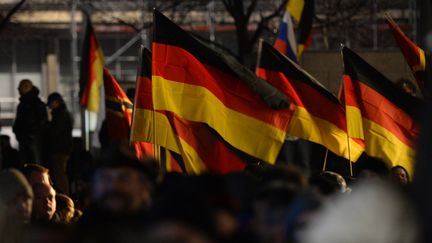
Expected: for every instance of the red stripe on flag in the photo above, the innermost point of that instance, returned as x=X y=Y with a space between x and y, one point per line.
x=176 y=64
x=378 y=109
x=211 y=149
x=309 y=98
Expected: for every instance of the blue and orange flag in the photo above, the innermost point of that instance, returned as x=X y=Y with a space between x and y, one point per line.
x=379 y=112
x=91 y=70
x=293 y=43
x=118 y=116
x=316 y=114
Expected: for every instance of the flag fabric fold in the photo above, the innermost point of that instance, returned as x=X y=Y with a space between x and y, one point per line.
x=118 y=116
x=379 y=112
x=91 y=70
x=316 y=114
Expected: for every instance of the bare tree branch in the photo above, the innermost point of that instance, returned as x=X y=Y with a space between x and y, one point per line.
x=221 y=47
x=251 y=9
x=123 y=22
x=229 y=7
x=6 y=19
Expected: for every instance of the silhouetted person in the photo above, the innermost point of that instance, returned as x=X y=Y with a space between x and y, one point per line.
x=10 y=157
x=30 y=123
x=103 y=135
x=79 y=169
x=59 y=141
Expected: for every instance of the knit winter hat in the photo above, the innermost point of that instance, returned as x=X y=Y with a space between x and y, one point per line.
x=12 y=184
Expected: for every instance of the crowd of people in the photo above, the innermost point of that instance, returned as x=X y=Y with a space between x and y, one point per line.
x=53 y=190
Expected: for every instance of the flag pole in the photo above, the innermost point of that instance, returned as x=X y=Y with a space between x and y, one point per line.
x=85 y=127
x=325 y=160
x=348 y=137
x=349 y=156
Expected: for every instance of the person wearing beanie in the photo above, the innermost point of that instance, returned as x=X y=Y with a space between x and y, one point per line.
x=17 y=194
x=59 y=141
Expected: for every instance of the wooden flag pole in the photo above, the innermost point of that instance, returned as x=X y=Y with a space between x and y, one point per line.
x=325 y=160
x=349 y=157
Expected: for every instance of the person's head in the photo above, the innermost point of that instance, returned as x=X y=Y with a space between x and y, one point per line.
x=25 y=86
x=55 y=100
x=285 y=174
x=65 y=208
x=372 y=167
x=17 y=194
x=44 y=205
x=400 y=175
x=329 y=182
x=121 y=183
x=407 y=86
x=36 y=174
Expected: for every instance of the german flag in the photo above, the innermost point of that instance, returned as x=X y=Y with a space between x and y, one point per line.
x=317 y=115
x=379 y=112
x=414 y=55
x=145 y=121
x=200 y=147
x=91 y=71
x=119 y=115
x=200 y=84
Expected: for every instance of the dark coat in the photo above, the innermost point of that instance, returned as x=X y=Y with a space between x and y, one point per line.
x=59 y=134
x=31 y=119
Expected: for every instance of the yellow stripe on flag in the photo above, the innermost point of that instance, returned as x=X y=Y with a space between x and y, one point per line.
x=143 y=130
x=354 y=122
x=193 y=162
x=422 y=65
x=306 y=126
x=383 y=144
x=93 y=103
x=196 y=103
x=295 y=7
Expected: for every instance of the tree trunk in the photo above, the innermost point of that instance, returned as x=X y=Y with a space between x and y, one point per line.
x=243 y=41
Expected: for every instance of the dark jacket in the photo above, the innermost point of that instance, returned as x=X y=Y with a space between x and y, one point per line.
x=59 y=134
x=31 y=118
